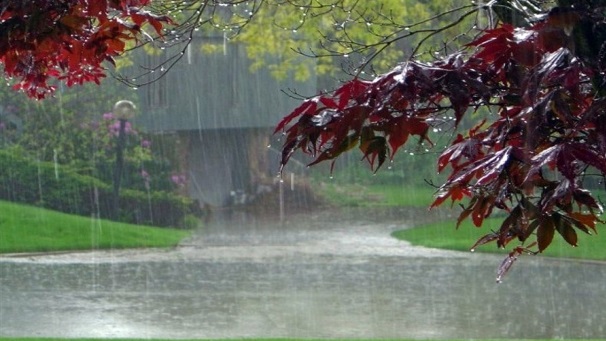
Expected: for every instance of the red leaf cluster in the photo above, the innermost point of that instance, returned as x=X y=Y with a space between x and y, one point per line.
x=41 y=40
x=529 y=159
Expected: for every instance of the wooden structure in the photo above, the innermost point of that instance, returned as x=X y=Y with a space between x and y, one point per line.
x=222 y=115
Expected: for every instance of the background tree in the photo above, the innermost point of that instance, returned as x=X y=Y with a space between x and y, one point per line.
x=338 y=35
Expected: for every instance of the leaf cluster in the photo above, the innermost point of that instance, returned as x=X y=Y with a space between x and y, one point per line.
x=44 y=40
x=544 y=87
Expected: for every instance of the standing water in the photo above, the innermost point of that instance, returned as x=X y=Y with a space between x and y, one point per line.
x=329 y=274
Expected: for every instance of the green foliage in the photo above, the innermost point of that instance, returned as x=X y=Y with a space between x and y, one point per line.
x=74 y=128
x=275 y=36
x=32 y=229
x=191 y=222
x=61 y=188
x=56 y=127
x=64 y=130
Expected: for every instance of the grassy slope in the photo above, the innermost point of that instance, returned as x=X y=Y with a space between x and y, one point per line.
x=444 y=235
x=376 y=195
x=31 y=229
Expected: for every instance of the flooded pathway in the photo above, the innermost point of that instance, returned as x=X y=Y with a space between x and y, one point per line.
x=327 y=275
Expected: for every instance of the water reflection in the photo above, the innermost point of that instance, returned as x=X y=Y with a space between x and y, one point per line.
x=287 y=281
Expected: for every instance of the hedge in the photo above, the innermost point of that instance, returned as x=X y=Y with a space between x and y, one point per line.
x=59 y=188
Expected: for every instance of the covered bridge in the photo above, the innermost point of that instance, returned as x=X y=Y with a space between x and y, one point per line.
x=222 y=116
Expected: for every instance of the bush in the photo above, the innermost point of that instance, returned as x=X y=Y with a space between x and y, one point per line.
x=59 y=188
x=154 y=208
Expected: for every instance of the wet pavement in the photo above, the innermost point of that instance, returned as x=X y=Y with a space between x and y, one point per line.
x=325 y=275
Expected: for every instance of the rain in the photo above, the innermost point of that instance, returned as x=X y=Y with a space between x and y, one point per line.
x=300 y=252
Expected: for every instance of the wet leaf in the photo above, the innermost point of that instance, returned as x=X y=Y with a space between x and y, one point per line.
x=584 y=197
x=306 y=108
x=350 y=91
x=584 y=222
x=487 y=238
x=545 y=232
x=456 y=193
x=68 y=41
x=375 y=150
x=565 y=229
x=505 y=266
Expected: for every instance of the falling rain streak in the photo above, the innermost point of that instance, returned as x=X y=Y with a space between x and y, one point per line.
x=268 y=257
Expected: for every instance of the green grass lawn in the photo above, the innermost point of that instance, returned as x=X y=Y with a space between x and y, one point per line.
x=444 y=235
x=375 y=195
x=31 y=229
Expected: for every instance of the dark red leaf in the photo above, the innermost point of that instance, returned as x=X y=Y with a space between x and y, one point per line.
x=545 y=158
x=374 y=149
x=308 y=107
x=584 y=197
x=584 y=222
x=67 y=41
x=350 y=90
x=455 y=192
x=397 y=139
x=490 y=35
x=487 y=238
x=586 y=154
x=481 y=210
x=560 y=195
x=510 y=228
x=545 y=232
x=328 y=102
x=565 y=229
